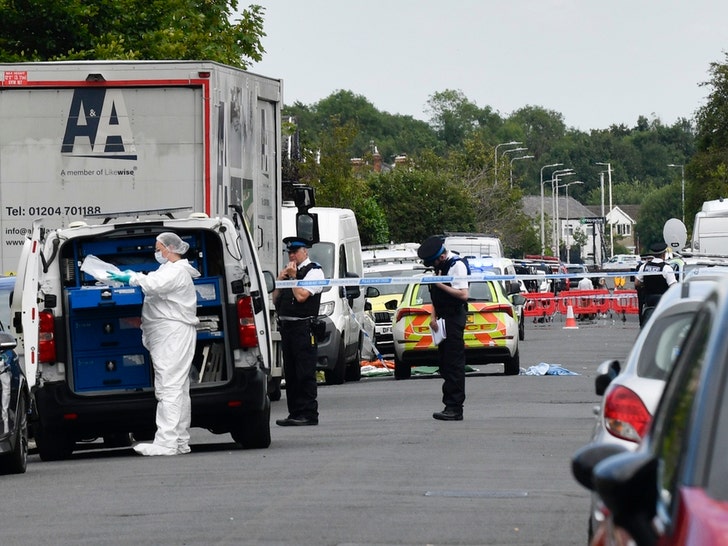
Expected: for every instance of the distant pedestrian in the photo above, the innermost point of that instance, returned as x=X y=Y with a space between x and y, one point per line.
x=585 y=284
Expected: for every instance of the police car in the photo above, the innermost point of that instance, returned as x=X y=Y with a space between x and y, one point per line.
x=491 y=329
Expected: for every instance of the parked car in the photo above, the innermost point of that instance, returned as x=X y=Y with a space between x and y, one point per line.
x=576 y=269
x=673 y=489
x=15 y=405
x=491 y=331
x=622 y=262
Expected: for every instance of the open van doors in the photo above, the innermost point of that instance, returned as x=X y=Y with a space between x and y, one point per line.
x=24 y=312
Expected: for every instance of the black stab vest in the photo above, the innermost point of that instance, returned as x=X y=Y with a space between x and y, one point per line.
x=288 y=306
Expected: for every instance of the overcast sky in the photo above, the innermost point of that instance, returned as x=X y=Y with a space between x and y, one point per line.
x=597 y=62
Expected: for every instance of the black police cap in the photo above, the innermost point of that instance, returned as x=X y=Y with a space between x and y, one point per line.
x=294 y=243
x=430 y=249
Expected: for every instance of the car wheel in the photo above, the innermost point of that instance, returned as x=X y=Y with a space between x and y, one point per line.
x=254 y=430
x=512 y=366
x=522 y=328
x=401 y=370
x=52 y=445
x=274 y=389
x=337 y=375
x=117 y=439
x=16 y=461
x=353 y=370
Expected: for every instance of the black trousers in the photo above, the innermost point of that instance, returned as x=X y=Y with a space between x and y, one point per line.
x=299 y=367
x=451 y=352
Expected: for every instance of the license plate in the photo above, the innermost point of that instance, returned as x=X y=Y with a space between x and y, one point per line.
x=384 y=330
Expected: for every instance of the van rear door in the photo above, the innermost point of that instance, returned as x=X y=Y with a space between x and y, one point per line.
x=258 y=291
x=24 y=309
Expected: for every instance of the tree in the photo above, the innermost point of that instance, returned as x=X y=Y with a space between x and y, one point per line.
x=707 y=173
x=39 y=30
x=657 y=208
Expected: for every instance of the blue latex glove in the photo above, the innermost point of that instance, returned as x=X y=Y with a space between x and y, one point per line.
x=119 y=277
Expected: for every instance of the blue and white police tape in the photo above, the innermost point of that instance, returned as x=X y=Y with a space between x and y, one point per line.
x=474 y=277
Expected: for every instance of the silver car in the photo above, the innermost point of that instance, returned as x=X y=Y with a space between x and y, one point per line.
x=630 y=393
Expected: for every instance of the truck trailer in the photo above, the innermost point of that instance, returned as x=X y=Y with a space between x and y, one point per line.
x=84 y=139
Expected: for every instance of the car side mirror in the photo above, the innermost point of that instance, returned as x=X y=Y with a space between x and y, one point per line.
x=606 y=372
x=518 y=299
x=587 y=457
x=627 y=483
x=372 y=292
x=514 y=287
x=391 y=305
x=351 y=292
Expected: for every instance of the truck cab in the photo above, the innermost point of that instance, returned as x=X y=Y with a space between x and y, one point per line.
x=80 y=340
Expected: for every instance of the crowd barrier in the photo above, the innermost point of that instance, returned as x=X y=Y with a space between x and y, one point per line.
x=582 y=302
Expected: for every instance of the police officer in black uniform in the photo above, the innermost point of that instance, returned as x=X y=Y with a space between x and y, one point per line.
x=653 y=279
x=297 y=307
x=450 y=302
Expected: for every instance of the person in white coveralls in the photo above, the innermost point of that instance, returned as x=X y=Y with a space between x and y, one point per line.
x=169 y=333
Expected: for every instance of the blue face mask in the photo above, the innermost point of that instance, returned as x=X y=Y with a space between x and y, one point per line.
x=158 y=256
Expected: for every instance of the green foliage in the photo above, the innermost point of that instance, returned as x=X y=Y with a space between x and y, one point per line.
x=39 y=30
x=707 y=173
x=420 y=202
x=657 y=208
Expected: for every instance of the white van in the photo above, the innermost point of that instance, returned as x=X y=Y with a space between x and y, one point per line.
x=474 y=245
x=80 y=341
x=710 y=229
x=338 y=252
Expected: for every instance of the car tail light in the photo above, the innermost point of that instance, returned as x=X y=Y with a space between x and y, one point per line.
x=46 y=337
x=625 y=415
x=246 y=323
x=410 y=311
x=508 y=309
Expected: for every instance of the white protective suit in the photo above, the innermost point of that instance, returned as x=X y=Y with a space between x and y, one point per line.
x=169 y=334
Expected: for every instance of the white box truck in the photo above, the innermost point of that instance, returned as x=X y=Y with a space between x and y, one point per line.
x=83 y=138
x=710 y=229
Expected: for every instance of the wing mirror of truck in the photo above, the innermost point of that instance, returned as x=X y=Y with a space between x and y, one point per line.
x=270 y=281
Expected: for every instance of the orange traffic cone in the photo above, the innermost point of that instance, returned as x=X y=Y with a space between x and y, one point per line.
x=570 y=320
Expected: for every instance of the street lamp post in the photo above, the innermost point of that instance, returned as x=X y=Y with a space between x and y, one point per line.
x=495 y=158
x=509 y=150
x=682 y=187
x=555 y=203
x=611 y=226
x=543 y=228
x=568 y=220
x=516 y=159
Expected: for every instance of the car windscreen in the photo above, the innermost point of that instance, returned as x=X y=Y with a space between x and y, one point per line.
x=390 y=289
x=662 y=345
x=478 y=291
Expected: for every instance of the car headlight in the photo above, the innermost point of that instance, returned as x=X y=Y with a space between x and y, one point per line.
x=327 y=308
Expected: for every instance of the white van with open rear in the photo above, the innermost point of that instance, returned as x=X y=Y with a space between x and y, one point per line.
x=80 y=340
x=474 y=245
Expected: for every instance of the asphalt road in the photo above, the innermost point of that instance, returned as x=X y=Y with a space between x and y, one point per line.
x=377 y=470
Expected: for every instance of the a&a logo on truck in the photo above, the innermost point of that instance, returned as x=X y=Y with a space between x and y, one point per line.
x=98 y=126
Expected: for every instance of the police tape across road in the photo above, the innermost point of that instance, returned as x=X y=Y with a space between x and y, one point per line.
x=474 y=277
